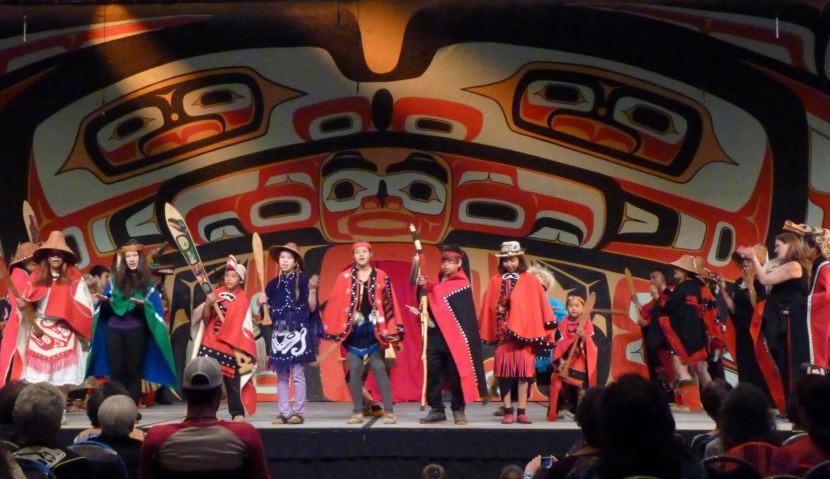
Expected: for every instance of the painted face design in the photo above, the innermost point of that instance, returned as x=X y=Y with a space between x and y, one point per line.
x=640 y=126
x=175 y=120
x=516 y=202
x=268 y=199
x=374 y=194
x=611 y=116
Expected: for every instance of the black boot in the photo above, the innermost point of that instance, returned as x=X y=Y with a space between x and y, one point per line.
x=433 y=416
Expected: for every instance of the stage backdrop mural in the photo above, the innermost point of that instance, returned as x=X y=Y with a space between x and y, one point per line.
x=602 y=137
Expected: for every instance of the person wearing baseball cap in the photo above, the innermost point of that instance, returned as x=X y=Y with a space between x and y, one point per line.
x=202 y=442
x=226 y=334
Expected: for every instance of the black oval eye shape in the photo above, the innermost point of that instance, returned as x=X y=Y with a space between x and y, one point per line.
x=420 y=190
x=652 y=119
x=496 y=211
x=336 y=124
x=562 y=93
x=130 y=126
x=217 y=97
x=434 y=125
x=344 y=190
x=280 y=208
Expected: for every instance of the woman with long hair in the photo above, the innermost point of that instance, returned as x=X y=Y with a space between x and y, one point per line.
x=779 y=325
x=130 y=340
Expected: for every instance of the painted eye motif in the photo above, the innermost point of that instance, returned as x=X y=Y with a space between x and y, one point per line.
x=560 y=94
x=130 y=126
x=218 y=99
x=344 y=190
x=118 y=139
x=651 y=119
x=335 y=125
x=420 y=191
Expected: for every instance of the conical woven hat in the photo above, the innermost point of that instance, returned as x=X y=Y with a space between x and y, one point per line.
x=56 y=242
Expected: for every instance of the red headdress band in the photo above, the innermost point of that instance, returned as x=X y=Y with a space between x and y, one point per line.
x=361 y=244
x=450 y=255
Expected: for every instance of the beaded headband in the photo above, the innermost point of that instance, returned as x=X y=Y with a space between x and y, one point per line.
x=361 y=244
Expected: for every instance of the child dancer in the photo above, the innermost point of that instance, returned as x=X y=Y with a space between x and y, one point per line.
x=513 y=316
x=292 y=304
x=582 y=366
x=363 y=313
x=229 y=339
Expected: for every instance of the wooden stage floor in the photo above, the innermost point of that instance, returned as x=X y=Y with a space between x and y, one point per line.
x=333 y=415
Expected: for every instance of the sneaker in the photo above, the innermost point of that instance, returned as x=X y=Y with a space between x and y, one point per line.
x=389 y=418
x=239 y=418
x=523 y=419
x=459 y=418
x=278 y=420
x=433 y=416
x=296 y=419
x=355 y=419
x=507 y=419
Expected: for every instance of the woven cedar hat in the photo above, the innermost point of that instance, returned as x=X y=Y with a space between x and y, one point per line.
x=291 y=247
x=56 y=242
x=25 y=251
x=689 y=263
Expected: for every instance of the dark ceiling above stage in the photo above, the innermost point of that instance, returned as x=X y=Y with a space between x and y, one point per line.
x=754 y=7
x=713 y=4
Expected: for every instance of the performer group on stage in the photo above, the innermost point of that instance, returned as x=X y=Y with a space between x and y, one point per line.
x=63 y=328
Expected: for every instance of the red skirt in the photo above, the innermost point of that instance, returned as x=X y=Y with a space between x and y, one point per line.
x=514 y=360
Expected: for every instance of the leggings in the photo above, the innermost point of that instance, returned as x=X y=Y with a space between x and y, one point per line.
x=125 y=348
x=378 y=367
